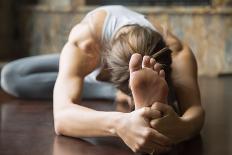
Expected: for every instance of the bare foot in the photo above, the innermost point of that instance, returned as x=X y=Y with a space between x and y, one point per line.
x=147 y=81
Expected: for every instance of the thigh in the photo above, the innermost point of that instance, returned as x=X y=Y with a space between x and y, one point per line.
x=94 y=89
x=31 y=77
x=36 y=64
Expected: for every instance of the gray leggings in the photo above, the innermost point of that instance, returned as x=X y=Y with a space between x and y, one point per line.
x=34 y=78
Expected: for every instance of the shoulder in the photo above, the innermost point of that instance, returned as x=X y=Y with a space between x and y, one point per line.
x=89 y=28
x=82 y=50
x=86 y=34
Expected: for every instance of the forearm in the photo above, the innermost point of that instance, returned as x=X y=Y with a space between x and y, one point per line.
x=193 y=120
x=79 y=121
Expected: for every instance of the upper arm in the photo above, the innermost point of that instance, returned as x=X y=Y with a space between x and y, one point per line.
x=185 y=79
x=78 y=58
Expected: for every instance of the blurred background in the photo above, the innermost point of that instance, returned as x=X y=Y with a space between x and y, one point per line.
x=35 y=27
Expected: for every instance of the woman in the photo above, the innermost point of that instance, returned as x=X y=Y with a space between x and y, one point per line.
x=144 y=61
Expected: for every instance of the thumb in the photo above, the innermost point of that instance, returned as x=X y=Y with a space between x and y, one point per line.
x=161 y=107
x=150 y=113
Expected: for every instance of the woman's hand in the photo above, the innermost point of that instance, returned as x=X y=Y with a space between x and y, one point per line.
x=135 y=130
x=170 y=124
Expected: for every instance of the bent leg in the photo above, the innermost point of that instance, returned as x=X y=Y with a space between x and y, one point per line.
x=31 y=77
x=98 y=90
x=34 y=78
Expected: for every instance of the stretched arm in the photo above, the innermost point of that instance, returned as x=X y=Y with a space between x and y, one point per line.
x=185 y=82
x=79 y=57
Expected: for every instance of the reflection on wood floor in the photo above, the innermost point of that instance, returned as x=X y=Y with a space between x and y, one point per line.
x=26 y=127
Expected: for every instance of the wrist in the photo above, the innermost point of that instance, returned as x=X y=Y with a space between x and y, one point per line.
x=116 y=123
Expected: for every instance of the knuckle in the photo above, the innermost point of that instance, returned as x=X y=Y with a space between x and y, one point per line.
x=145 y=110
x=142 y=142
x=155 y=105
x=147 y=133
x=153 y=124
x=137 y=148
x=159 y=113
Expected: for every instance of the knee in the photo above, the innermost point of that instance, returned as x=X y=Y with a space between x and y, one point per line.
x=9 y=76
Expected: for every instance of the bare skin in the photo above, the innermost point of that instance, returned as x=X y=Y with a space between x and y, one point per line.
x=147 y=81
x=81 y=55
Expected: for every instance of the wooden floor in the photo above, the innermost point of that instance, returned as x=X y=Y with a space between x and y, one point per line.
x=26 y=127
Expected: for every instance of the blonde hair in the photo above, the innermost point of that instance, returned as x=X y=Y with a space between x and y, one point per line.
x=138 y=39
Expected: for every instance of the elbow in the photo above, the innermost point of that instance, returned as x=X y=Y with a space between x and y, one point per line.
x=60 y=120
x=59 y=123
x=200 y=121
x=202 y=118
x=58 y=127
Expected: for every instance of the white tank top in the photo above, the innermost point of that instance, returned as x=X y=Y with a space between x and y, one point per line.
x=117 y=17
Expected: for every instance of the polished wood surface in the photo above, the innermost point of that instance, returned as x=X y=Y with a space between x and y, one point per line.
x=26 y=127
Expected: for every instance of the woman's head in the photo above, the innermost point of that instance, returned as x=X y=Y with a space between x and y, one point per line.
x=138 y=39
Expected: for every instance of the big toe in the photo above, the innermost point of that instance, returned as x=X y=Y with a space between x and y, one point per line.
x=135 y=62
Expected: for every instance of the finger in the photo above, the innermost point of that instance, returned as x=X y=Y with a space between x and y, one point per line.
x=159 y=149
x=163 y=108
x=154 y=148
x=150 y=113
x=160 y=139
x=151 y=144
x=153 y=123
x=147 y=149
x=146 y=61
x=155 y=114
x=162 y=73
x=145 y=111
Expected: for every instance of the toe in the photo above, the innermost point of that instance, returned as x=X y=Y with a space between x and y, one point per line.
x=135 y=62
x=146 y=61
x=162 y=73
x=152 y=63
x=157 y=67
